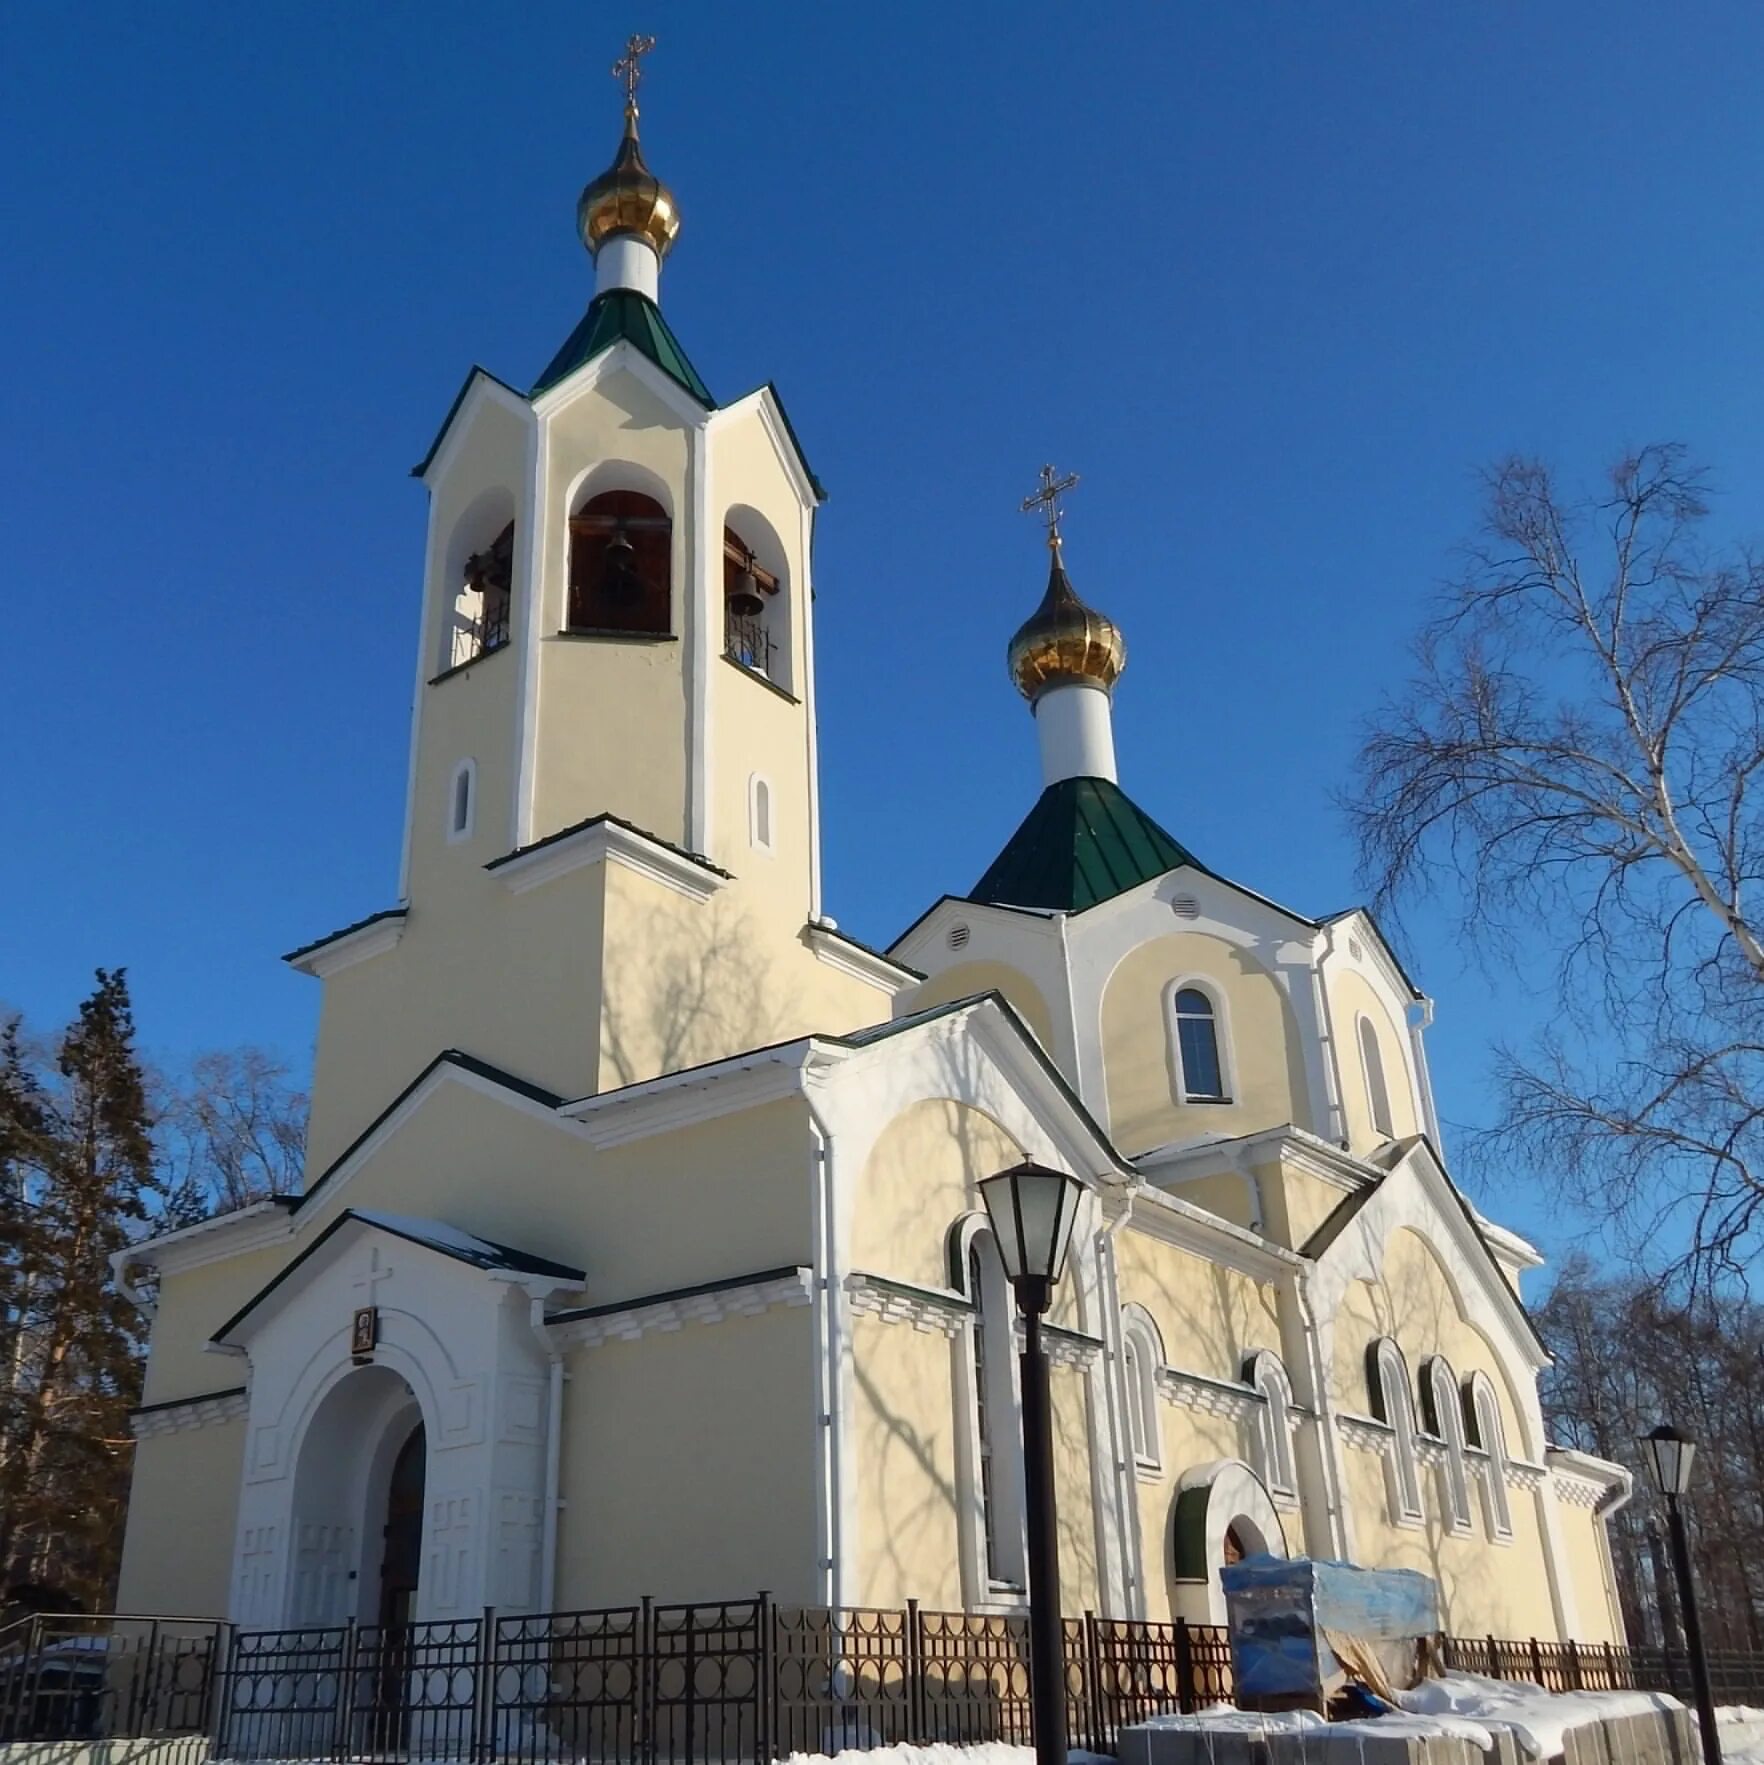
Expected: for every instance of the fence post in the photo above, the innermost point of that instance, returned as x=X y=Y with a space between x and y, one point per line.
x=643 y=1720
x=484 y=1688
x=1537 y=1671
x=221 y=1687
x=765 y=1678
x=1494 y=1659
x=1101 y=1738
x=1574 y=1665
x=918 y=1718
x=1184 y=1668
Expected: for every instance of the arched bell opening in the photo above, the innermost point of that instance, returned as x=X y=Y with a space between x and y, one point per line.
x=621 y=567
x=756 y=598
x=477 y=570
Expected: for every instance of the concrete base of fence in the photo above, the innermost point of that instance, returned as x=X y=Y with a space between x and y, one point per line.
x=182 y=1749
x=1150 y=1744
x=1661 y=1737
x=1358 y=1743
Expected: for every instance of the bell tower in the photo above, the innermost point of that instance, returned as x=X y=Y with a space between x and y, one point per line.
x=614 y=684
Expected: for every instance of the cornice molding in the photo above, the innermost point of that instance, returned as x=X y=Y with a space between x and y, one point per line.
x=607 y=842
x=932 y=1309
x=355 y=944
x=183 y=1414
x=684 y=1099
x=228 y=1234
x=1175 y=1221
x=621 y=356
x=839 y=952
x=709 y=1305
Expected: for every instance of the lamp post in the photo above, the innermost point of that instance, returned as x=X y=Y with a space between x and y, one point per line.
x=1669 y=1458
x=1032 y=1210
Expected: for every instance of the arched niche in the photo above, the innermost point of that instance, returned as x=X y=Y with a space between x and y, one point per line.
x=756 y=567
x=1217 y=1503
x=475 y=589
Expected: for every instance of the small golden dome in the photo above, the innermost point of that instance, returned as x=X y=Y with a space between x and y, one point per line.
x=628 y=198
x=1063 y=640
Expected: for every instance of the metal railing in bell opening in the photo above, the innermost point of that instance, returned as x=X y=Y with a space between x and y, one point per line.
x=700 y=1684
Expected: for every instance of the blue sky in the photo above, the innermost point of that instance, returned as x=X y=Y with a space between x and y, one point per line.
x=1275 y=279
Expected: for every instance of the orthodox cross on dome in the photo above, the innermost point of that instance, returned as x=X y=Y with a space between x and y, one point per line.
x=628 y=69
x=1046 y=502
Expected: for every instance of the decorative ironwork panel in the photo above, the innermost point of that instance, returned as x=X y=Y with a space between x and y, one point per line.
x=571 y=1685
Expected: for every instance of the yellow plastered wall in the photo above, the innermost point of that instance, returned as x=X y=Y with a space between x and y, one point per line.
x=686 y=982
x=1484 y=1589
x=904 y=1465
x=183 y=1503
x=1352 y=996
x=966 y=979
x=920 y=1178
x=1583 y=1543
x=1260 y=1037
x=192 y=1306
x=1294 y=1203
x=1413 y=1301
x=610 y=715
x=1075 y=1502
x=688 y=1465
x=1211 y=1318
x=511 y=979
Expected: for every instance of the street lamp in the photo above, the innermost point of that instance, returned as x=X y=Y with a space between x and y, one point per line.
x=1669 y=1458
x=1032 y=1209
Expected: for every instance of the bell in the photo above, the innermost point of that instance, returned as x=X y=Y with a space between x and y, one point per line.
x=744 y=594
x=620 y=555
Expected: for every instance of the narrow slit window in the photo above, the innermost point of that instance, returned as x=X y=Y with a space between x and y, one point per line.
x=760 y=815
x=1197 y=1048
x=460 y=804
x=1377 y=1092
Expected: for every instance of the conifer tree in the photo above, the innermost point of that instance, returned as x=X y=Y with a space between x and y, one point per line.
x=77 y=1176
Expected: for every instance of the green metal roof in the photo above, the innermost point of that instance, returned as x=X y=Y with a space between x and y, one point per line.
x=1085 y=841
x=624 y=313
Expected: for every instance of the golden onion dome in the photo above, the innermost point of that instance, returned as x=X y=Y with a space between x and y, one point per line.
x=628 y=198
x=1063 y=640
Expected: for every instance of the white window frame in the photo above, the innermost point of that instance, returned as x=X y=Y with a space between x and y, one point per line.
x=1279 y=1466
x=762 y=830
x=1142 y=1358
x=1484 y=1411
x=1377 y=1095
x=1448 y=1422
x=1215 y=996
x=458 y=832
x=1395 y=1403
x=993 y=1310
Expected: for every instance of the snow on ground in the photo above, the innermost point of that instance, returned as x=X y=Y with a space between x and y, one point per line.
x=1540 y=1720
x=1742 y=1734
x=990 y=1753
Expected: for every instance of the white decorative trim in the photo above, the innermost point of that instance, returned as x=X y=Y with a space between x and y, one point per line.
x=1171 y=1220
x=763 y=402
x=1576 y=1491
x=715 y=1307
x=684 y=1099
x=229 y=1234
x=1069 y=1348
x=607 y=842
x=1363 y=1433
x=1213 y=1397
x=852 y=959
x=324 y=960
x=896 y=1302
x=1522 y=1474
x=623 y=357
x=195 y=1412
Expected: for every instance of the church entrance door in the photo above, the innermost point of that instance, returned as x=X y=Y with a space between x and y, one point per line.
x=400 y=1566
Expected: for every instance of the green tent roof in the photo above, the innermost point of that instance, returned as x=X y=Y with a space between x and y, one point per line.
x=622 y=312
x=1085 y=841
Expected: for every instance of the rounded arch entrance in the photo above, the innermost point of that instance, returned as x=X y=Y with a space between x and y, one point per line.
x=1221 y=1514
x=357 y=1521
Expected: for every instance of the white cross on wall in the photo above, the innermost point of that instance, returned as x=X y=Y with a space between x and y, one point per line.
x=376 y=1272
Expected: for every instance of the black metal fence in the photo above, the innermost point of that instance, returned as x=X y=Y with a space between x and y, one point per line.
x=694 y=1684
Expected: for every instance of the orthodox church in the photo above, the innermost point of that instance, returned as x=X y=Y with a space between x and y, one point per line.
x=640 y=1250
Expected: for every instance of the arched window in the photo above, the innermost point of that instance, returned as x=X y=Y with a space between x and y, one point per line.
x=759 y=813
x=1142 y=1354
x=1274 y=1423
x=1393 y=1403
x=993 y=1425
x=756 y=603
x=1445 y=1419
x=481 y=600
x=462 y=802
x=1201 y=1072
x=621 y=566
x=1483 y=1411
x=1377 y=1093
